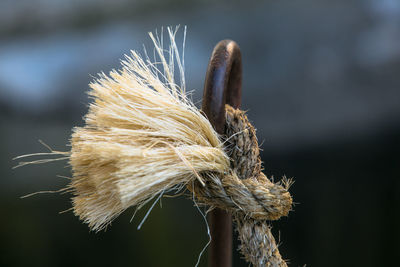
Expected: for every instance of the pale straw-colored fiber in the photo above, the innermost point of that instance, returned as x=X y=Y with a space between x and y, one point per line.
x=142 y=136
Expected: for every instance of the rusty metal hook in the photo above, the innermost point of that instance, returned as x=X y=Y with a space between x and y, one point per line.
x=223 y=85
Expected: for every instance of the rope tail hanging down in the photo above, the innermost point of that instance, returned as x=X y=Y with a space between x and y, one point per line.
x=143 y=137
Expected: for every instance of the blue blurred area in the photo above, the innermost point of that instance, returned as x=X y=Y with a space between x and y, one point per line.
x=321 y=84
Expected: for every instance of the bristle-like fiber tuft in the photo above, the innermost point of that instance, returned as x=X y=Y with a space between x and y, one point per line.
x=143 y=136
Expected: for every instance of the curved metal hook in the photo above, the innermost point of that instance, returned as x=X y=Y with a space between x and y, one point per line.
x=223 y=85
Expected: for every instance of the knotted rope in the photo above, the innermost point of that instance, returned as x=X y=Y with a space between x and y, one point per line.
x=144 y=137
x=246 y=192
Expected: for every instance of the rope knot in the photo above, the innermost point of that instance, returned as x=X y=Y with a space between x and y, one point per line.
x=244 y=189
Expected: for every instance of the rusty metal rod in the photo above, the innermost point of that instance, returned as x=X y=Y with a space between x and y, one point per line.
x=223 y=85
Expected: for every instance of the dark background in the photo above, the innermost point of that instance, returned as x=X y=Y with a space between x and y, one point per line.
x=321 y=84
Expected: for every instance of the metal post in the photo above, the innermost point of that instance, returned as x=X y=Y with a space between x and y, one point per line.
x=223 y=85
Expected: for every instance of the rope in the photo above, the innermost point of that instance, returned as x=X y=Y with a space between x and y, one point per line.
x=143 y=137
x=246 y=192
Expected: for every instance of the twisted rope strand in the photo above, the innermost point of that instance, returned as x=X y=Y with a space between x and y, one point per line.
x=257 y=243
x=257 y=199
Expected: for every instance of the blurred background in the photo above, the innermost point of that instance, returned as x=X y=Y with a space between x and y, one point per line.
x=321 y=83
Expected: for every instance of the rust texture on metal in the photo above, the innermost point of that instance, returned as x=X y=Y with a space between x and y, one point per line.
x=223 y=85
